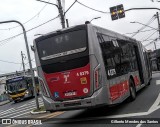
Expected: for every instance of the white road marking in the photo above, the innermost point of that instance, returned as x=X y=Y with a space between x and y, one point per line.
x=17 y=109
x=14 y=113
x=20 y=114
x=153 y=108
x=156 y=103
x=139 y=125
x=157 y=82
x=7 y=110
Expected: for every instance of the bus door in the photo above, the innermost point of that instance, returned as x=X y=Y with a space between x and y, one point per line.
x=139 y=63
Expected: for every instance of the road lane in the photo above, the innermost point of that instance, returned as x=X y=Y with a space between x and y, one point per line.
x=145 y=105
x=20 y=110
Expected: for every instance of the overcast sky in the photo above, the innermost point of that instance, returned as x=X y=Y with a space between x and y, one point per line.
x=24 y=10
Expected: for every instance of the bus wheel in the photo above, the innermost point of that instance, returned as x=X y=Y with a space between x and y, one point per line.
x=132 y=90
x=51 y=111
x=32 y=95
x=149 y=83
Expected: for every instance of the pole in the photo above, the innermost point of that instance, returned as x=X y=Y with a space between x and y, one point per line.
x=60 y=9
x=61 y=13
x=158 y=24
x=22 y=55
x=29 y=58
x=159 y=34
x=67 y=23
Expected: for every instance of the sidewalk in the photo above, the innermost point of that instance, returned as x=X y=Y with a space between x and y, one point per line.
x=4 y=102
x=155 y=72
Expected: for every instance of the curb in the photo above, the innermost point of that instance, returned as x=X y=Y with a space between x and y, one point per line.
x=3 y=103
x=40 y=112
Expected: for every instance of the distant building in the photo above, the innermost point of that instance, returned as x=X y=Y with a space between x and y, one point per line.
x=155 y=59
x=2 y=85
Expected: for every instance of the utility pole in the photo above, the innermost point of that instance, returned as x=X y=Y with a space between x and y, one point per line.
x=67 y=23
x=60 y=9
x=61 y=13
x=22 y=55
x=158 y=24
x=159 y=35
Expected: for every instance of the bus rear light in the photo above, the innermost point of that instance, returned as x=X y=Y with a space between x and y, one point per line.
x=97 y=77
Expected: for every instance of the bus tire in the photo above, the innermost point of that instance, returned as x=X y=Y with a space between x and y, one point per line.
x=149 y=83
x=132 y=90
x=51 y=111
x=32 y=95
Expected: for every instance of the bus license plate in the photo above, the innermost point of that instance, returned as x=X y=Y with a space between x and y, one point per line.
x=70 y=94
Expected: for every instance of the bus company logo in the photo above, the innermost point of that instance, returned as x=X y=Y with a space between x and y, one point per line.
x=6 y=121
x=66 y=76
x=56 y=94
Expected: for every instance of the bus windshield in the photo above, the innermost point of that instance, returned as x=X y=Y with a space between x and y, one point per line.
x=16 y=86
x=62 y=44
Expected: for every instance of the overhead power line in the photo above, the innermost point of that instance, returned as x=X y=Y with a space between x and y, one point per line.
x=7 y=39
x=148 y=23
x=70 y=7
x=27 y=20
x=149 y=36
x=92 y=8
x=151 y=42
x=9 y=62
x=140 y=31
x=2 y=42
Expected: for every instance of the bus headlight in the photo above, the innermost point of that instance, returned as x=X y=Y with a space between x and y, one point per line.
x=26 y=92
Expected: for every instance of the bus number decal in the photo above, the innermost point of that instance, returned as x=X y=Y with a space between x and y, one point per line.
x=83 y=73
x=111 y=72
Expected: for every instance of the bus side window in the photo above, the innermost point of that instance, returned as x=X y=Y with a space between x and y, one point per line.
x=133 y=62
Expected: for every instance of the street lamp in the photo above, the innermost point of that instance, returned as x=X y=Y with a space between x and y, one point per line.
x=94 y=19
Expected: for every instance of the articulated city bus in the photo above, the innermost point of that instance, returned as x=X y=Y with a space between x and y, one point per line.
x=21 y=87
x=87 y=66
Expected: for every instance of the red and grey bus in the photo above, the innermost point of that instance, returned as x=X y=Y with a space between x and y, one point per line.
x=87 y=66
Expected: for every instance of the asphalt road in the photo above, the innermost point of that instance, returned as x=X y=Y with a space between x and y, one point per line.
x=146 y=105
x=20 y=109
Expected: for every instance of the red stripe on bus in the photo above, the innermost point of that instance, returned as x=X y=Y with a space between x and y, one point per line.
x=136 y=80
x=118 y=90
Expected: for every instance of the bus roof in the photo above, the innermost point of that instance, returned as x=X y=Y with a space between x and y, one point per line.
x=83 y=26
